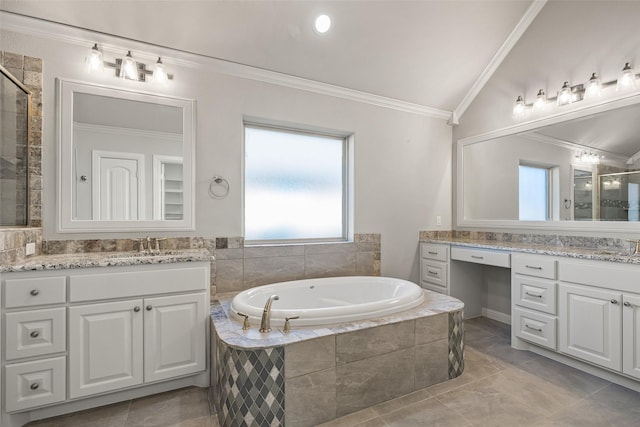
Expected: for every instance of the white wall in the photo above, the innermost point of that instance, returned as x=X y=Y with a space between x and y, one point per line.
x=402 y=160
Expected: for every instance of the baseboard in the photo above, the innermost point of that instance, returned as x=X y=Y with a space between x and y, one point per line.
x=496 y=315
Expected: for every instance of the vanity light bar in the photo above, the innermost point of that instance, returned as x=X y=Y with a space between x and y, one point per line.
x=127 y=67
x=569 y=94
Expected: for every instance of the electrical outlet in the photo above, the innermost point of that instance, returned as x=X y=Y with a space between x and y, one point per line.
x=30 y=249
x=438 y=220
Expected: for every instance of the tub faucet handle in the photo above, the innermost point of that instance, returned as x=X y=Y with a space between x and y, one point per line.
x=245 y=324
x=287 y=324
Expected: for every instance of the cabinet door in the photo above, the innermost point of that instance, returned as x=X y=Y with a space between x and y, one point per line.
x=590 y=325
x=105 y=347
x=631 y=335
x=174 y=336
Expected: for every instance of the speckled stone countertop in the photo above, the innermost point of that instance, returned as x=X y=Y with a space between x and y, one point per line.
x=597 y=254
x=106 y=259
x=230 y=330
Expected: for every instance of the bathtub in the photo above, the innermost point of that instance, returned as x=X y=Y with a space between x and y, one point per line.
x=330 y=300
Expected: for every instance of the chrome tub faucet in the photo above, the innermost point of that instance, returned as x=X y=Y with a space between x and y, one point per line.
x=265 y=323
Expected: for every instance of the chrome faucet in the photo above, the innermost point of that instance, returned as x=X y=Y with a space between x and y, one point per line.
x=265 y=323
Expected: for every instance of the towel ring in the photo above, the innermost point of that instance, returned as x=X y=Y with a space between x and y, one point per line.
x=218 y=181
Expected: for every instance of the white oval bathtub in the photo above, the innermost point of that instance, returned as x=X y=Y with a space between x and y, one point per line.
x=329 y=300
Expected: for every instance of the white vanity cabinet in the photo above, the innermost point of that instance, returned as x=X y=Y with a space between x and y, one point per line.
x=434 y=267
x=79 y=338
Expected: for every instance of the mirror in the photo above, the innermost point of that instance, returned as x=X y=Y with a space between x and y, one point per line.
x=126 y=160
x=582 y=169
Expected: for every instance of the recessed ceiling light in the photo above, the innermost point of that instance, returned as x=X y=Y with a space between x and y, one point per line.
x=322 y=24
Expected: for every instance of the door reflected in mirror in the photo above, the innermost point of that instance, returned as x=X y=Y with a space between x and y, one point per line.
x=129 y=157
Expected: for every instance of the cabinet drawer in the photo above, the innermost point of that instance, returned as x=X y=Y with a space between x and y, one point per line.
x=481 y=256
x=535 y=327
x=434 y=251
x=35 y=332
x=535 y=294
x=535 y=265
x=35 y=291
x=36 y=383
x=434 y=272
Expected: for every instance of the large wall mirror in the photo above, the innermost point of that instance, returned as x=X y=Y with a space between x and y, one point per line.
x=125 y=160
x=580 y=170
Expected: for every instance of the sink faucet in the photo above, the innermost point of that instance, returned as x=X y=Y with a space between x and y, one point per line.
x=265 y=323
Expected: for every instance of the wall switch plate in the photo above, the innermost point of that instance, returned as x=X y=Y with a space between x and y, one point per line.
x=30 y=249
x=438 y=220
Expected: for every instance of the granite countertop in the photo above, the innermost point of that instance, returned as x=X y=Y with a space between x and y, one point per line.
x=106 y=259
x=597 y=254
x=230 y=330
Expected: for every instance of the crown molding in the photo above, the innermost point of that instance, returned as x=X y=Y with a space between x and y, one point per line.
x=113 y=44
x=520 y=28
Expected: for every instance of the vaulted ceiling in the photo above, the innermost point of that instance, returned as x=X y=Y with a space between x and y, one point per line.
x=425 y=52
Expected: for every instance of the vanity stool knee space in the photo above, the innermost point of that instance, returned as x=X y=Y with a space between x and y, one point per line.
x=86 y=337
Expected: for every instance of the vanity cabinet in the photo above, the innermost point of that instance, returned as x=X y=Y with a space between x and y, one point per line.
x=71 y=336
x=434 y=267
x=533 y=293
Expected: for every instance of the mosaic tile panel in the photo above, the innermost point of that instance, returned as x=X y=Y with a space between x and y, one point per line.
x=456 y=344
x=250 y=386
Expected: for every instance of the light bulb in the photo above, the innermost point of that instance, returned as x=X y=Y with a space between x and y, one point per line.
x=627 y=79
x=160 y=73
x=322 y=24
x=129 y=69
x=540 y=103
x=93 y=60
x=593 y=88
x=519 y=108
x=564 y=96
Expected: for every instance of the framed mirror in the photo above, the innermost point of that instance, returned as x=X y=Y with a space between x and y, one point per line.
x=125 y=160
x=578 y=170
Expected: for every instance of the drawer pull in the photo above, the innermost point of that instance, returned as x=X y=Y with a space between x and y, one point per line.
x=432 y=253
x=533 y=295
x=34 y=292
x=435 y=273
x=34 y=334
x=534 y=267
x=136 y=309
x=34 y=386
x=614 y=301
x=477 y=257
x=149 y=308
x=532 y=328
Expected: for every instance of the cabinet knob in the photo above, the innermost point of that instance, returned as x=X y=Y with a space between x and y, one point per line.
x=34 y=292
x=34 y=334
x=614 y=301
x=626 y=304
x=136 y=309
x=34 y=386
x=149 y=308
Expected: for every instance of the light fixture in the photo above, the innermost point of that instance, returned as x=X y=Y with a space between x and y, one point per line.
x=93 y=60
x=593 y=88
x=127 y=67
x=588 y=157
x=540 y=104
x=564 y=96
x=627 y=79
x=160 y=73
x=322 y=24
x=568 y=94
x=519 y=108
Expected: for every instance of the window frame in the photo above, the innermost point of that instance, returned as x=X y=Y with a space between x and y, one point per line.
x=347 y=180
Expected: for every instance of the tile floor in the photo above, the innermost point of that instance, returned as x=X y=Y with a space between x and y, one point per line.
x=500 y=387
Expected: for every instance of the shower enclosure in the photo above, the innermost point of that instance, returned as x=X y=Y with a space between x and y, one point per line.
x=620 y=196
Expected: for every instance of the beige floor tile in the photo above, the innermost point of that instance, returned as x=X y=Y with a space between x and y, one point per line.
x=352 y=419
x=430 y=412
x=401 y=402
x=107 y=416
x=168 y=409
x=590 y=414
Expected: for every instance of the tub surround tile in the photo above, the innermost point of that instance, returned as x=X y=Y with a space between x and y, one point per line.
x=365 y=264
x=310 y=356
x=329 y=265
x=345 y=248
x=262 y=271
x=228 y=273
x=273 y=251
x=375 y=341
x=367 y=382
x=432 y=328
x=229 y=254
x=431 y=363
x=311 y=399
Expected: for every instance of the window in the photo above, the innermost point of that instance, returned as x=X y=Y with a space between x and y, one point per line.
x=296 y=185
x=534 y=193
